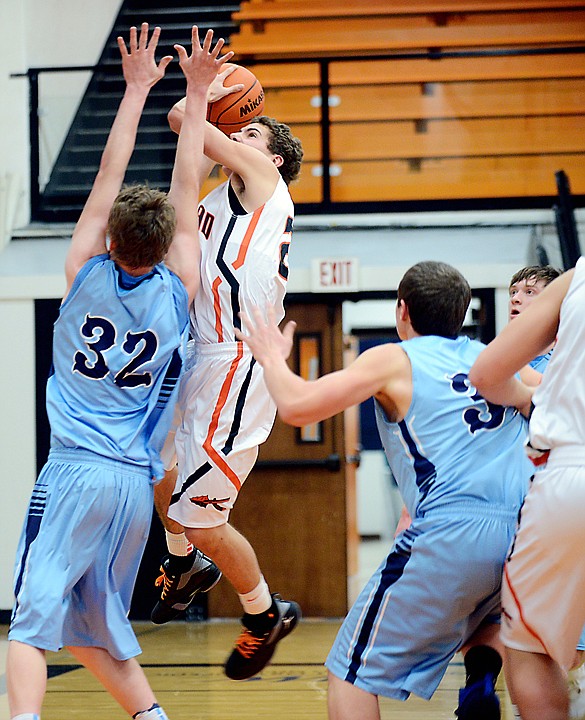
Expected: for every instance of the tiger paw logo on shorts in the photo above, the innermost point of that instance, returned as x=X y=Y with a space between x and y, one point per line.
x=205 y=501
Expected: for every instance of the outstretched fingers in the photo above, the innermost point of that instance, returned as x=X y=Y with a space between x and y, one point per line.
x=247 y=325
x=181 y=52
x=164 y=62
x=203 y=62
x=206 y=40
x=289 y=331
x=263 y=336
x=133 y=39
x=151 y=46
x=132 y=43
x=143 y=40
x=138 y=61
x=122 y=47
x=153 y=39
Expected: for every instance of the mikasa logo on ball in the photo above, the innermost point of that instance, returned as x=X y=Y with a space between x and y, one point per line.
x=251 y=105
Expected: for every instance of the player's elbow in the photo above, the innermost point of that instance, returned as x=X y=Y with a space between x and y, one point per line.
x=175 y=118
x=478 y=377
x=291 y=417
x=296 y=414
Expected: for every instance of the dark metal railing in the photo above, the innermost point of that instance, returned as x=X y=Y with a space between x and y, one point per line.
x=325 y=205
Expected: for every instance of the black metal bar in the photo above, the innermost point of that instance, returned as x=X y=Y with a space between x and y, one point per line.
x=65 y=68
x=35 y=152
x=331 y=463
x=325 y=133
x=430 y=54
x=565 y=221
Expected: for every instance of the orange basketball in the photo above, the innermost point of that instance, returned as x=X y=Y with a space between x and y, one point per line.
x=233 y=111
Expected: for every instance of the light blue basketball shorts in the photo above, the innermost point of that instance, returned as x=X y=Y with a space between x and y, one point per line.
x=79 y=553
x=439 y=583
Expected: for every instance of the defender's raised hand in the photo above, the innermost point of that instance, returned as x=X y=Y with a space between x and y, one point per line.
x=204 y=63
x=139 y=65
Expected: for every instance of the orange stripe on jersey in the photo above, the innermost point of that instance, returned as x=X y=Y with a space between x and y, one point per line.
x=522 y=618
x=217 y=458
x=217 y=309
x=239 y=261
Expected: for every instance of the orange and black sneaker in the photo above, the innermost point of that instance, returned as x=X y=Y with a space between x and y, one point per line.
x=181 y=579
x=257 y=642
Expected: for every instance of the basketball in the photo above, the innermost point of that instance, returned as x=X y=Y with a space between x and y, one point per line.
x=232 y=112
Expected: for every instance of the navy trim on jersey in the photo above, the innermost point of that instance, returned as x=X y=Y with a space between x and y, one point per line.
x=395 y=564
x=425 y=471
x=228 y=275
x=129 y=282
x=170 y=380
x=241 y=401
x=235 y=205
x=36 y=510
x=191 y=480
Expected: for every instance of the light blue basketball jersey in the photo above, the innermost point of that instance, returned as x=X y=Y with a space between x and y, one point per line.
x=453 y=447
x=540 y=362
x=461 y=468
x=119 y=345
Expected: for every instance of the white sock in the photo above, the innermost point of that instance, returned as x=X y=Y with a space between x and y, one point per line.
x=515 y=712
x=178 y=544
x=153 y=713
x=257 y=600
x=27 y=716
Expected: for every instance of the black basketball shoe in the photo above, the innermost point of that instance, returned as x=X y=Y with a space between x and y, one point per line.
x=257 y=643
x=182 y=578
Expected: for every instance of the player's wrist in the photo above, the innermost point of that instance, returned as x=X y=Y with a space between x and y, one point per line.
x=196 y=88
x=137 y=90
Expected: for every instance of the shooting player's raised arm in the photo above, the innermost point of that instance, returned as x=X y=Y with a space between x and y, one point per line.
x=199 y=68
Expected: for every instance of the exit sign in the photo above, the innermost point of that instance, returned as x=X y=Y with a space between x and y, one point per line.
x=334 y=274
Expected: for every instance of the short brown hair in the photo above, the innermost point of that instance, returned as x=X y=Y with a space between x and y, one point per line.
x=142 y=224
x=437 y=297
x=282 y=142
x=546 y=273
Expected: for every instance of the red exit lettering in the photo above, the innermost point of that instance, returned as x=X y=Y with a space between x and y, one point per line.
x=336 y=273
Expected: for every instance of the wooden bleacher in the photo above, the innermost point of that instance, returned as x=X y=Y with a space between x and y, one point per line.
x=482 y=178
x=385 y=72
x=406 y=26
x=497 y=120
x=262 y=11
x=439 y=101
x=377 y=37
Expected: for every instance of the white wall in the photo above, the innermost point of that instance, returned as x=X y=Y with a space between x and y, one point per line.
x=42 y=33
x=28 y=270
x=14 y=154
x=17 y=423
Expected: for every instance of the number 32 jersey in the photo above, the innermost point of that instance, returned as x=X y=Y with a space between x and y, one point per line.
x=118 y=351
x=454 y=449
x=244 y=261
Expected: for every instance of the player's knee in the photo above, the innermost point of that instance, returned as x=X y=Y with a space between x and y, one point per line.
x=208 y=540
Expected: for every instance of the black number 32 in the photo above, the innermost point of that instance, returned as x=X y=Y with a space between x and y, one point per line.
x=99 y=336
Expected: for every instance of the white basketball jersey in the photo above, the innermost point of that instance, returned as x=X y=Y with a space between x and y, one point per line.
x=559 y=416
x=244 y=262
